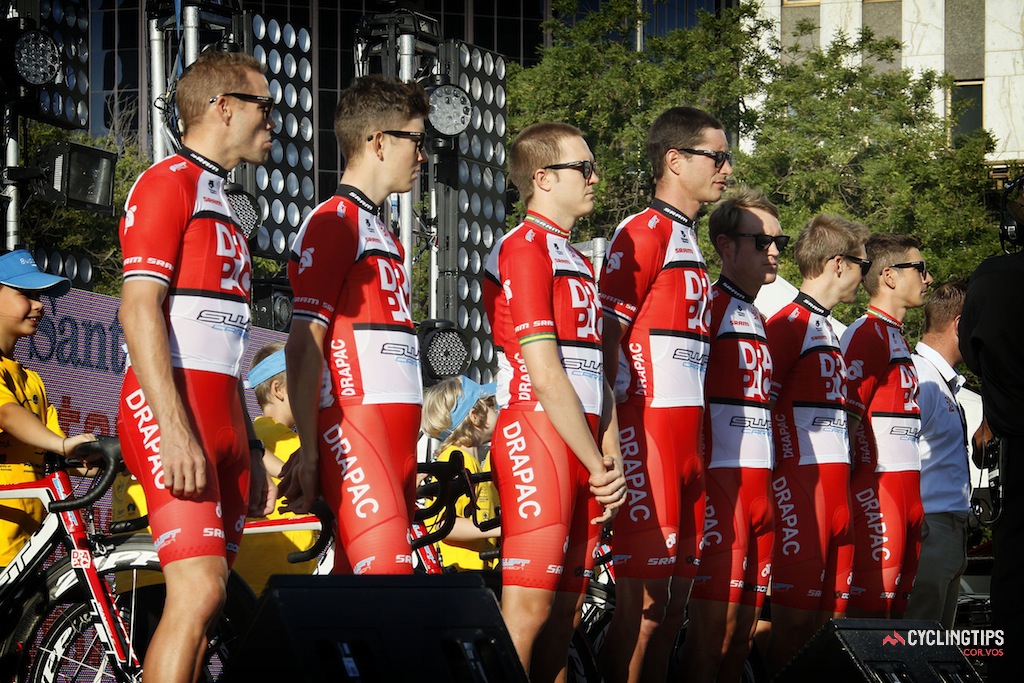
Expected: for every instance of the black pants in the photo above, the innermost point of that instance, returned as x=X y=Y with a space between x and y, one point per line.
x=1007 y=595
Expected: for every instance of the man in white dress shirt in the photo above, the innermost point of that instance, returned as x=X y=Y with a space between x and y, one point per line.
x=945 y=477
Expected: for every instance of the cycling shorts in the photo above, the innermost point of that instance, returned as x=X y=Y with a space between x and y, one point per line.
x=658 y=529
x=547 y=540
x=736 y=553
x=813 y=557
x=368 y=477
x=887 y=516
x=212 y=523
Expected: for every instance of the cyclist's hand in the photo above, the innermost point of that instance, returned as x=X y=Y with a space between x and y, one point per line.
x=262 y=489
x=72 y=443
x=300 y=482
x=184 y=465
x=609 y=487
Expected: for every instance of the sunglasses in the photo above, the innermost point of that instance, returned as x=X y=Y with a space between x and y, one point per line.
x=416 y=136
x=865 y=264
x=267 y=103
x=587 y=168
x=762 y=241
x=919 y=266
x=719 y=157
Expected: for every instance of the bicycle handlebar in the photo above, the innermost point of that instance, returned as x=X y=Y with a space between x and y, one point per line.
x=109 y=449
x=322 y=510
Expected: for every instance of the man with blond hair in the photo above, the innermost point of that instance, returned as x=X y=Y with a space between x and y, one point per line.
x=884 y=424
x=185 y=313
x=555 y=451
x=730 y=587
x=813 y=555
x=655 y=293
x=352 y=356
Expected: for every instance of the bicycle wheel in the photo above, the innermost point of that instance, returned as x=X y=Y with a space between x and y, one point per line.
x=62 y=644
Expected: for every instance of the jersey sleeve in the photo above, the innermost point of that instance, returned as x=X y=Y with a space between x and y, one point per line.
x=785 y=334
x=157 y=213
x=866 y=363
x=528 y=285
x=317 y=273
x=634 y=260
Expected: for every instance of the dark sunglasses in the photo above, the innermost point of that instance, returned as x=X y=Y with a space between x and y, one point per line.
x=267 y=103
x=919 y=266
x=762 y=241
x=417 y=137
x=587 y=167
x=719 y=157
x=865 y=264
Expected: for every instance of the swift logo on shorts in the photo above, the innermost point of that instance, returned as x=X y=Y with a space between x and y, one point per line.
x=515 y=443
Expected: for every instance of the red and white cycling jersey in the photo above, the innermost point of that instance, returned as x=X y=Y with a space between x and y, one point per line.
x=738 y=419
x=553 y=297
x=655 y=281
x=177 y=219
x=347 y=274
x=809 y=385
x=882 y=386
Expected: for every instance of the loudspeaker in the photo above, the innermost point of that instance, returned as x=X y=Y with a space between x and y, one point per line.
x=377 y=628
x=871 y=650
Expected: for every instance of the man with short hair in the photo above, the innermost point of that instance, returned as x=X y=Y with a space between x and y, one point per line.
x=185 y=313
x=885 y=421
x=555 y=450
x=655 y=292
x=945 y=474
x=732 y=581
x=352 y=356
x=813 y=555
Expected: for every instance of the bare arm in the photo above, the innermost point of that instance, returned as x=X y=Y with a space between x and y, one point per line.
x=146 y=333
x=27 y=428
x=304 y=357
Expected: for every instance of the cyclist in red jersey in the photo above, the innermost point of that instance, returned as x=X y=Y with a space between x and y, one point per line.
x=352 y=355
x=885 y=421
x=655 y=293
x=555 y=452
x=813 y=556
x=737 y=543
x=185 y=313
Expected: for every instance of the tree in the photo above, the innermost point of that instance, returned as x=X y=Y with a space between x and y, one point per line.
x=835 y=129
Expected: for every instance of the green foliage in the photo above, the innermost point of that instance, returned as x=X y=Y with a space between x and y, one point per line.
x=57 y=227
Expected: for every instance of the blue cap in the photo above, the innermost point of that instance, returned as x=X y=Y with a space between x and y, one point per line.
x=18 y=270
x=471 y=393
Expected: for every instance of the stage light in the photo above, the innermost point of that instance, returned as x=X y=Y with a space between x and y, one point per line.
x=283 y=185
x=443 y=350
x=73 y=265
x=76 y=176
x=272 y=304
x=64 y=101
x=29 y=58
x=450 y=109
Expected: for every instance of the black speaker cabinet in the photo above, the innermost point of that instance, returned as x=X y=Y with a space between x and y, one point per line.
x=371 y=629
x=877 y=651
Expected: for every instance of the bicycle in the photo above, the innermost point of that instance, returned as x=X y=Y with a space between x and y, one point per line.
x=90 y=614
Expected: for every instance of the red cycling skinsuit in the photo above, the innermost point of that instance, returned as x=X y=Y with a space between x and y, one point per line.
x=813 y=558
x=539 y=287
x=655 y=282
x=737 y=546
x=179 y=231
x=347 y=274
x=885 y=484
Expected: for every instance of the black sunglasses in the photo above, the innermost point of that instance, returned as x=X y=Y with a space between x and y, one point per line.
x=762 y=241
x=719 y=157
x=416 y=136
x=266 y=102
x=865 y=264
x=919 y=266
x=587 y=167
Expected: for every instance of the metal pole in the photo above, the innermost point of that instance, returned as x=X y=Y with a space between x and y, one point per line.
x=406 y=200
x=157 y=87
x=11 y=191
x=190 y=33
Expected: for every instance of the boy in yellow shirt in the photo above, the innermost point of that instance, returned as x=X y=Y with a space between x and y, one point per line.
x=28 y=423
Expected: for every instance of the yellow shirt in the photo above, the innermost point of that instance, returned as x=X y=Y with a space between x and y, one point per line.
x=466 y=556
x=260 y=555
x=20 y=462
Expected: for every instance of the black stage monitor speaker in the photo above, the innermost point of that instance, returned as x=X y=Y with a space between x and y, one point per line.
x=879 y=651
x=372 y=629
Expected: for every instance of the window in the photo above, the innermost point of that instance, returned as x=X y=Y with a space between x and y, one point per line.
x=965 y=99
